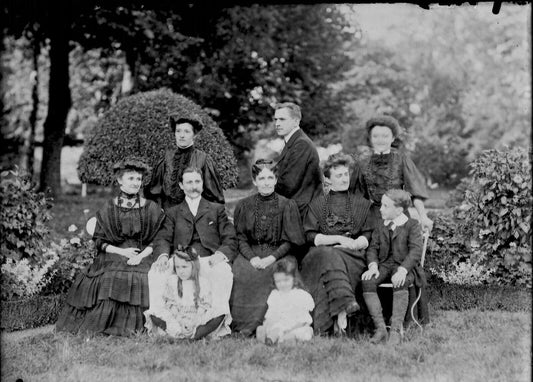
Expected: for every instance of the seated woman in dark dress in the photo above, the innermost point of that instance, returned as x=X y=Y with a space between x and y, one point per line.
x=163 y=186
x=268 y=225
x=388 y=168
x=111 y=294
x=338 y=225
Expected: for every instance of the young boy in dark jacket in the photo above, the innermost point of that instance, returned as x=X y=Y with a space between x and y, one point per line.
x=394 y=252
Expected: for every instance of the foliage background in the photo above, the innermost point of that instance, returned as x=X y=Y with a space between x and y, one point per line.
x=458 y=79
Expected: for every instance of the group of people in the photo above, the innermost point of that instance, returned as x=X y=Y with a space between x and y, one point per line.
x=301 y=256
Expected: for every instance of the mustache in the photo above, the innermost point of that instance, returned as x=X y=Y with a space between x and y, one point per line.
x=195 y=190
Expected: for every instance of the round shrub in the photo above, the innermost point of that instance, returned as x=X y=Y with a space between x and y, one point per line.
x=23 y=214
x=139 y=125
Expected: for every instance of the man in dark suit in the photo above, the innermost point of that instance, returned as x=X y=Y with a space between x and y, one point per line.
x=298 y=165
x=204 y=226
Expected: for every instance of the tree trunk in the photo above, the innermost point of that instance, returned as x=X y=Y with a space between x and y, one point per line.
x=36 y=47
x=59 y=99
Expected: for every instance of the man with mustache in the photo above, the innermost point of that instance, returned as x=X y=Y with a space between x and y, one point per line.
x=204 y=226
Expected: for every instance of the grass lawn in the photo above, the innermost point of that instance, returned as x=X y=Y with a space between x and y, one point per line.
x=456 y=346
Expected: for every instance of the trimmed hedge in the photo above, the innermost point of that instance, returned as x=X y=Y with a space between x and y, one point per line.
x=31 y=313
x=139 y=125
x=481 y=297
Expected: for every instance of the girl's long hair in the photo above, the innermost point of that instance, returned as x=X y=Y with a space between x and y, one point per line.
x=289 y=267
x=188 y=254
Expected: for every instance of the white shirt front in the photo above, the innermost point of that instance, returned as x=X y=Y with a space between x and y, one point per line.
x=397 y=221
x=193 y=204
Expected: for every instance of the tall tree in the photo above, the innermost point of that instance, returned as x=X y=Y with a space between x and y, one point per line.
x=59 y=99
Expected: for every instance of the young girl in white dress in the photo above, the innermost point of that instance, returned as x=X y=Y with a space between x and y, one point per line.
x=288 y=314
x=186 y=311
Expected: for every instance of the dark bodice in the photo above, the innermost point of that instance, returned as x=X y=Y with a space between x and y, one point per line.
x=176 y=163
x=127 y=227
x=337 y=213
x=268 y=221
x=383 y=172
x=266 y=227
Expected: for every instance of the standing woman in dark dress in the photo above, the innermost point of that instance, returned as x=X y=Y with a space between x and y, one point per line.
x=268 y=226
x=338 y=225
x=111 y=294
x=163 y=187
x=388 y=168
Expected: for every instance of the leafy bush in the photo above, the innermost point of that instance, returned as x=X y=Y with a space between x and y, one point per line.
x=497 y=207
x=139 y=125
x=74 y=254
x=23 y=214
x=488 y=230
x=446 y=245
x=20 y=279
x=464 y=273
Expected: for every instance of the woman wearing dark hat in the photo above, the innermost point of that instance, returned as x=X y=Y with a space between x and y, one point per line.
x=388 y=168
x=111 y=294
x=163 y=186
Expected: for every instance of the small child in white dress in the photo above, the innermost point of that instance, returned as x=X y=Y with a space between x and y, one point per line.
x=288 y=314
x=186 y=311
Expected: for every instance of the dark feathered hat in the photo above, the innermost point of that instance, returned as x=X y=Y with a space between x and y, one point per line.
x=133 y=164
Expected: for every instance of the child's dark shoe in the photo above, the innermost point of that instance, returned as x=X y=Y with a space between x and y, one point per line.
x=380 y=336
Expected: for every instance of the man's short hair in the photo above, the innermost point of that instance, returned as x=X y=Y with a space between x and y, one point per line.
x=294 y=109
x=191 y=169
x=336 y=160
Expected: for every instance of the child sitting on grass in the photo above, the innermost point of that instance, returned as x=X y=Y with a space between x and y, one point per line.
x=394 y=252
x=187 y=301
x=288 y=314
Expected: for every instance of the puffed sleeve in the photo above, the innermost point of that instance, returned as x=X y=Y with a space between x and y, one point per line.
x=292 y=224
x=99 y=236
x=311 y=222
x=357 y=180
x=413 y=179
x=239 y=219
x=212 y=184
x=154 y=189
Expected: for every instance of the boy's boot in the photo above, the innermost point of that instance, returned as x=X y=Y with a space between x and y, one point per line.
x=400 y=300
x=374 y=308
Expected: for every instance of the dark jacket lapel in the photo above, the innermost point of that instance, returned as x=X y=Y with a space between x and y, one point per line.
x=186 y=212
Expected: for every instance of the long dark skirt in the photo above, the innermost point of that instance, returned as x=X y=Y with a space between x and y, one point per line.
x=108 y=297
x=251 y=288
x=332 y=276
